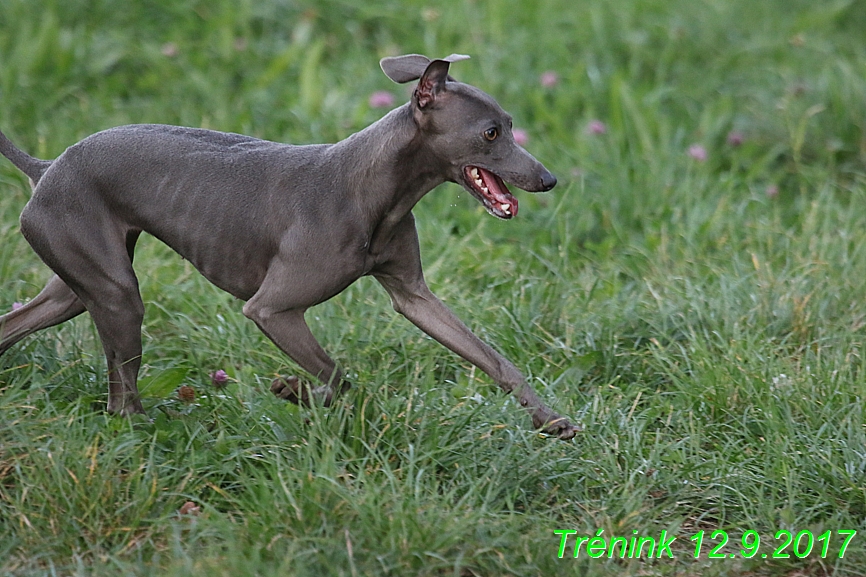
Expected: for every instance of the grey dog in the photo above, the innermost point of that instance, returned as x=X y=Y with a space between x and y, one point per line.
x=281 y=227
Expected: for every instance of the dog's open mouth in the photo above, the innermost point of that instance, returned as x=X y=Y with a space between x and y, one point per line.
x=491 y=191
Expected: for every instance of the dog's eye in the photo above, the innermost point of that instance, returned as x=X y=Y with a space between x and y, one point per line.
x=491 y=134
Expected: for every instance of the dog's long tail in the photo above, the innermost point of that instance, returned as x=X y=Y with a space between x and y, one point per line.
x=32 y=167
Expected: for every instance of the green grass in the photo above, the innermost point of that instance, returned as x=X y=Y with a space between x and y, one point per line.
x=709 y=335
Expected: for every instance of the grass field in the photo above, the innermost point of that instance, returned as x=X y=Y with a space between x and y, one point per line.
x=692 y=292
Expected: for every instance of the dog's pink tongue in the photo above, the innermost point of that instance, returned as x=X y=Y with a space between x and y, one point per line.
x=500 y=196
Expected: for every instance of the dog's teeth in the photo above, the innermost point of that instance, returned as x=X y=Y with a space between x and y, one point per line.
x=479 y=182
x=505 y=207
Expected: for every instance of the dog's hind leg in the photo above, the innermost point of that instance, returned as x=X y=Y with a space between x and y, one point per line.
x=54 y=305
x=118 y=311
x=91 y=251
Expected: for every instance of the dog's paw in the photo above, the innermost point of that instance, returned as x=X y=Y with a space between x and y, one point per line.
x=291 y=389
x=287 y=388
x=556 y=426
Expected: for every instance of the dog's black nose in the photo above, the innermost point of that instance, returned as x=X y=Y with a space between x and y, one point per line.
x=548 y=181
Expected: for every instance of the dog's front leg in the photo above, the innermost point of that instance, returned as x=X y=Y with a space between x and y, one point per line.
x=276 y=311
x=289 y=331
x=402 y=277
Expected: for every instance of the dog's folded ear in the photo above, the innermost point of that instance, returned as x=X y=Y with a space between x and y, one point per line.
x=406 y=68
x=411 y=67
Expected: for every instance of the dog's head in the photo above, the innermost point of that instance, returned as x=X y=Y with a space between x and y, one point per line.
x=468 y=131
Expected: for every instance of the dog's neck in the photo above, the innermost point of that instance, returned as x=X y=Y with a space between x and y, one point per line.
x=387 y=170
